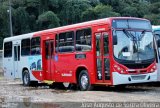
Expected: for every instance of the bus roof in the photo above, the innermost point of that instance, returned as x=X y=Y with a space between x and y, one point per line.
x=64 y=28
x=23 y=36
x=85 y=24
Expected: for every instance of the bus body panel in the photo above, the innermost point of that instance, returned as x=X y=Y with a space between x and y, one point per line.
x=25 y=62
x=16 y=58
x=130 y=79
x=156 y=30
x=13 y=69
x=69 y=62
x=102 y=29
x=8 y=67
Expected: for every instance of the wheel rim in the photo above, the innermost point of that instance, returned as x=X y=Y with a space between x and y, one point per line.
x=84 y=81
x=26 y=78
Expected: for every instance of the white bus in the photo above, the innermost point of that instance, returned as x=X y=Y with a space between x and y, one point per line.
x=14 y=56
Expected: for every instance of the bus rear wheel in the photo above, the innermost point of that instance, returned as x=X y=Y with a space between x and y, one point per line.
x=84 y=81
x=26 y=78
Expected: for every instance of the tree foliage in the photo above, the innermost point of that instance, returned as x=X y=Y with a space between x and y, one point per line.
x=100 y=11
x=72 y=10
x=47 y=20
x=34 y=15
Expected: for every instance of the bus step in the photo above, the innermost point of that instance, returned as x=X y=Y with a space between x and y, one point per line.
x=49 y=82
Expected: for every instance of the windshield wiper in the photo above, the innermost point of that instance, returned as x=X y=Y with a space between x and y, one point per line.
x=129 y=35
x=142 y=34
x=135 y=42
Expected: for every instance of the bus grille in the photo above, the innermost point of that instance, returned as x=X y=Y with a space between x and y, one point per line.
x=139 y=77
x=137 y=66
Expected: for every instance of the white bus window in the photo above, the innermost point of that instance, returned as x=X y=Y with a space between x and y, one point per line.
x=7 y=49
x=25 y=44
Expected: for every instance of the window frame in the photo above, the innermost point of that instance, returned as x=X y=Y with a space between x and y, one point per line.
x=65 y=42
x=8 y=48
x=35 y=46
x=88 y=28
x=26 y=47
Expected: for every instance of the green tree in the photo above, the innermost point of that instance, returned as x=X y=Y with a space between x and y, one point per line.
x=4 y=23
x=94 y=3
x=20 y=21
x=130 y=11
x=154 y=18
x=34 y=15
x=154 y=15
x=89 y=14
x=47 y=20
x=72 y=10
x=100 y=11
x=104 y=11
x=155 y=8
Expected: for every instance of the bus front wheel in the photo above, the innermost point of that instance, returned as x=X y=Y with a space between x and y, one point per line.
x=84 y=81
x=26 y=78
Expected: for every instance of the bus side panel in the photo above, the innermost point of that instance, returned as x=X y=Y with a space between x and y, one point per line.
x=8 y=67
x=24 y=63
x=89 y=64
x=66 y=66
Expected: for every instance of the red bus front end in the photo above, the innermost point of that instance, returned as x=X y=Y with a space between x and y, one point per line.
x=132 y=52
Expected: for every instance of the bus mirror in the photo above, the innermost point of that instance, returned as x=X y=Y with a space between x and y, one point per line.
x=114 y=39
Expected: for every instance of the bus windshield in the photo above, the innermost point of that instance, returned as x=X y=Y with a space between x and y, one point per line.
x=134 y=45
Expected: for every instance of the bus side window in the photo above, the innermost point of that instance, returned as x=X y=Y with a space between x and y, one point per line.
x=106 y=44
x=83 y=40
x=7 y=49
x=35 y=46
x=25 y=47
x=66 y=42
x=56 y=44
x=98 y=44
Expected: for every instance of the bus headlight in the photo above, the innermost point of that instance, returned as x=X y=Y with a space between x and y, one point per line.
x=119 y=69
x=153 y=69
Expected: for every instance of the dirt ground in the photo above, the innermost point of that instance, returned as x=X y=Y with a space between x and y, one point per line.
x=12 y=91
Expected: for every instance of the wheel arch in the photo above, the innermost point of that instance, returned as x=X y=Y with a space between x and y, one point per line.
x=23 y=69
x=78 y=70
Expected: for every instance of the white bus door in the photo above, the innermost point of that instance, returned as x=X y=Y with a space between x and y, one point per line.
x=16 y=49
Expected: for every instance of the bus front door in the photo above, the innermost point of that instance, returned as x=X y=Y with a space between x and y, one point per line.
x=49 y=52
x=102 y=55
x=16 y=60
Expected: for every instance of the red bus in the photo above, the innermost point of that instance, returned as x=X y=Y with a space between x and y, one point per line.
x=110 y=51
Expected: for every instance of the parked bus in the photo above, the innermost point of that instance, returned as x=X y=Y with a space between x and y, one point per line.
x=110 y=51
x=156 y=31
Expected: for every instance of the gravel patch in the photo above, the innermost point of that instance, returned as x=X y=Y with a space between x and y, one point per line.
x=12 y=91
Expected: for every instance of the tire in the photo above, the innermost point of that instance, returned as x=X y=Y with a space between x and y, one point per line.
x=26 y=78
x=84 y=81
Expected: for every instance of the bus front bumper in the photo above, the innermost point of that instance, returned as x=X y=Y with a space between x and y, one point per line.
x=129 y=79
